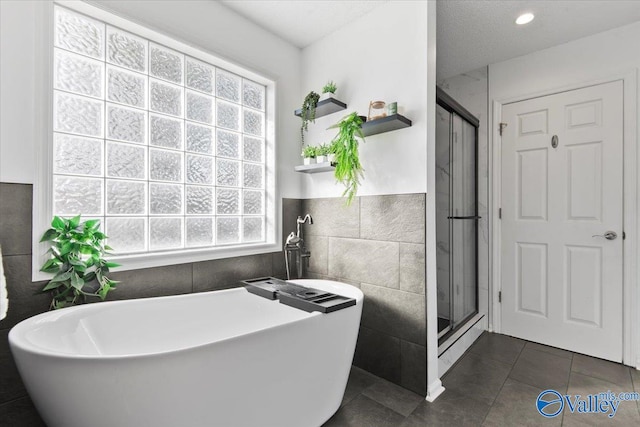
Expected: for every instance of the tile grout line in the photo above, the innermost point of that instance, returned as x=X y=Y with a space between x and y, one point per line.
x=192 y=276
x=387 y=287
x=466 y=353
x=14 y=255
x=6 y=402
x=568 y=382
x=400 y=266
x=370 y=239
x=505 y=381
x=400 y=339
x=600 y=378
x=5 y=255
x=360 y=217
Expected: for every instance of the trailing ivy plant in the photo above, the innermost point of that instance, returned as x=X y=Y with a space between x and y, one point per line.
x=77 y=261
x=345 y=146
x=308 y=112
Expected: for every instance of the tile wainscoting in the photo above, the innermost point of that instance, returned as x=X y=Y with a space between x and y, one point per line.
x=378 y=245
x=25 y=300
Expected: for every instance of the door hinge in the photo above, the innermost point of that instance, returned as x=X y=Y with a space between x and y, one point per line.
x=501 y=127
x=499 y=213
x=500 y=296
x=624 y=235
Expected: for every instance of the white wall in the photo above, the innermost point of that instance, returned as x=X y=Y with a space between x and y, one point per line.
x=207 y=25
x=583 y=60
x=388 y=54
x=381 y=56
x=598 y=57
x=17 y=87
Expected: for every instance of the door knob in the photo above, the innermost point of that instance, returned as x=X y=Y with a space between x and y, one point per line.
x=609 y=235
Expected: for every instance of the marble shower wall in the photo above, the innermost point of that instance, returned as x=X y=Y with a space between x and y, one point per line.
x=443 y=195
x=471 y=91
x=378 y=245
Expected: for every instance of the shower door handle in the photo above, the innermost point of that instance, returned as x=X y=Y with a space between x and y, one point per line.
x=464 y=217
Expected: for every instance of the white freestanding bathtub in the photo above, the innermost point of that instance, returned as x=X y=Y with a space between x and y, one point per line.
x=224 y=358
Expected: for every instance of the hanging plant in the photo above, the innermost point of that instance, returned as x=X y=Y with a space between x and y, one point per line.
x=308 y=112
x=345 y=148
x=77 y=261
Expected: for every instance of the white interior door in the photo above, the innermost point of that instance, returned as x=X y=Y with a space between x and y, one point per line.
x=561 y=286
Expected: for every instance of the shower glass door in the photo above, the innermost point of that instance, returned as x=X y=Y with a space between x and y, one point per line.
x=456 y=214
x=443 y=207
x=463 y=221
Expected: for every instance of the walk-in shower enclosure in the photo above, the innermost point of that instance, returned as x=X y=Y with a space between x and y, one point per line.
x=456 y=213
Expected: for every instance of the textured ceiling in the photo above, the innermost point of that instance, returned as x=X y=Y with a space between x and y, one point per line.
x=476 y=33
x=302 y=22
x=471 y=33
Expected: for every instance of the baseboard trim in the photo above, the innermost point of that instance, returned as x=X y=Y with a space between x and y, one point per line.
x=434 y=390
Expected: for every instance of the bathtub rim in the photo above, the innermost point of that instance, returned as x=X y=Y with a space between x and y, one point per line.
x=16 y=333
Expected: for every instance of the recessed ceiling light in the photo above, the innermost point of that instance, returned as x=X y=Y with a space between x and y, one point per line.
x=525 y=18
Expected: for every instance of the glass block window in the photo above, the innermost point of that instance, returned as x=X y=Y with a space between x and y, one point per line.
x=166 y=149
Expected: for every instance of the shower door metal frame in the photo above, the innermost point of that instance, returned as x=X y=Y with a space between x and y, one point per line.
x=454 y=107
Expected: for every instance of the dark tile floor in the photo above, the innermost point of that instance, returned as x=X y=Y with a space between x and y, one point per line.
x=495 y=383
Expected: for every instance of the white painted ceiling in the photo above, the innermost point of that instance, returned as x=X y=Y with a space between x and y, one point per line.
x=476 y=33
x=471 y=33
x=302 y=22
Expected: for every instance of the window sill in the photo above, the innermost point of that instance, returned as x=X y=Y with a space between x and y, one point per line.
x=136 y=262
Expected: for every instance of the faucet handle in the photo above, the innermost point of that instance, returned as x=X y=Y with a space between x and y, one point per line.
x=292 y=239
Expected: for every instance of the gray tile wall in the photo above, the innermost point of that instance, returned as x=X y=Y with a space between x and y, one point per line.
x=377 y=244
x=25 y=300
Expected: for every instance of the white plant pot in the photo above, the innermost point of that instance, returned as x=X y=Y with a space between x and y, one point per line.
x=321 y=159
x=331 y=158
x=309 y=161
x=326 y=96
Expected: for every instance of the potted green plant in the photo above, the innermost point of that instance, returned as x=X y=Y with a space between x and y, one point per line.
x=309 y=155
x=77 y=261
x=349 y=170
x=329 y=90
x=308 y=112
x=322 y=153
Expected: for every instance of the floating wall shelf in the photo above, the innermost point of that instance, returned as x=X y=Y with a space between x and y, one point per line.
x=374 y=127
x=385 y=124
x=325 y=107
x=315 y=168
